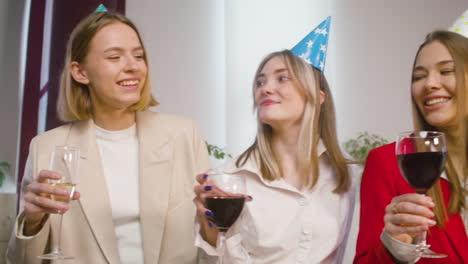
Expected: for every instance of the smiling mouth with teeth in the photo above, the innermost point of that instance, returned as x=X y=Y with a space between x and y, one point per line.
x=129 y=83
x=436 y=101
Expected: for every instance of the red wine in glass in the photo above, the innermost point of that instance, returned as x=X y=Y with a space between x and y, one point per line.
x=226 y=203
x=421 y=157
x=226 y=210
x=422 y=169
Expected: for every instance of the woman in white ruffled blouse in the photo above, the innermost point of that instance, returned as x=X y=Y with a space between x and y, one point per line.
x=301 y=184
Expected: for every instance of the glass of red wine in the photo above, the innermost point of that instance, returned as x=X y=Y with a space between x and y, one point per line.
x=421 y=157
x=226 y=202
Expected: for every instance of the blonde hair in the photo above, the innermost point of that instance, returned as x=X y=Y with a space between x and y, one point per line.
x=318 y=122
x=457 y=45
x=74 y=99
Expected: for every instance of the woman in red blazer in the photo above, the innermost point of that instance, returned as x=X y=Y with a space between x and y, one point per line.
x=391 y=211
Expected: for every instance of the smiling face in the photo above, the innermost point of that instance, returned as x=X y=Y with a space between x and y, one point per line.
x=114 y=68
x=434 y=85
x=279 y=102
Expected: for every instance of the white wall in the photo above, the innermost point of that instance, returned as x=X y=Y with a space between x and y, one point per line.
x=185 y=42
x=376 y=42
x=204 y=53
x=254 y=29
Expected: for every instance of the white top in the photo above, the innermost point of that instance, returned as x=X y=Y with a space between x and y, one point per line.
x=119 y=155
x=284 y=225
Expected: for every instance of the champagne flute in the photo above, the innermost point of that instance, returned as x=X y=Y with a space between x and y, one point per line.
x=64 y=161
x=421 y=157
x=226 y=204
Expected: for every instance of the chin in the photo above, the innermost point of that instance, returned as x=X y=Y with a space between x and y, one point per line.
x=439 y=122
x=132 y=100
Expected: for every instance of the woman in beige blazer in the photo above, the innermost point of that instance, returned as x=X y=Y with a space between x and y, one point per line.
x=135 y=186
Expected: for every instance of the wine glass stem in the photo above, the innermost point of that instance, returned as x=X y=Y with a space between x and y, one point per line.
x=57 y=249
x=221 y=237
x=420 y=240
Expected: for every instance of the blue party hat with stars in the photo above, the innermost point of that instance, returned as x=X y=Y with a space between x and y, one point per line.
x=100 y=8
x=313 y=48
x=461 y=24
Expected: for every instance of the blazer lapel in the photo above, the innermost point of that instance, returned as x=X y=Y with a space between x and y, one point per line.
x=156 y=149
x=92 y=185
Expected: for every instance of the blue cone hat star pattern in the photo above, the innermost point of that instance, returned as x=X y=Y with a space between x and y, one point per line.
x=313 y=48
x=100 y=8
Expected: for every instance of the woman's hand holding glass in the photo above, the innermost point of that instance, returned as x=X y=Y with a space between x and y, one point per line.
x=222 y=192
x=202 y=190
x=421 y=158
x=38 y=200
x=224 y=196
x=50 y=193
x=407 y=215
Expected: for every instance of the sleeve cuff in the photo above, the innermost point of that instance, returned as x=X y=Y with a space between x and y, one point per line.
x=403 y=252
x=201 y=243
x=19 y=227
x=232 y=244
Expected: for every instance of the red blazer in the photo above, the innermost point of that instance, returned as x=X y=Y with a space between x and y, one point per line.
x=381 y=181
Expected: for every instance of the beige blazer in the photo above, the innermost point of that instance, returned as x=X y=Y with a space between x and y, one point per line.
x=171 y=153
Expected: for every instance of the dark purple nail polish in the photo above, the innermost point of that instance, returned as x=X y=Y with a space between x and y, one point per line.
x=205 y=176
x=210 y=224
x=250 y=197
x=208 y=188
x=208 y=213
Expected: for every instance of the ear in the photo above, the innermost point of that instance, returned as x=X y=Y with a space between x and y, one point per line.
x=78 y=73
x=322 y=96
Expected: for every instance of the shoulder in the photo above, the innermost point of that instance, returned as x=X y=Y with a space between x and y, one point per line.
x=54 y=135
x=229 y=166
x=381 y=164
x=166 y=121
x=385 y=151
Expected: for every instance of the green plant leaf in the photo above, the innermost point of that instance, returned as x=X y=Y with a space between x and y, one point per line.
x=3 y=166
x=360 y=146
x=217 y=152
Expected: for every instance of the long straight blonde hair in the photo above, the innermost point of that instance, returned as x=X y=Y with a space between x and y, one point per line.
x=318 y=122
x=457 y=45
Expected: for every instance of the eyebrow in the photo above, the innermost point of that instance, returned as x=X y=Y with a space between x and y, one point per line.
x=120 y=49
x=275 y=72
x=440 y=63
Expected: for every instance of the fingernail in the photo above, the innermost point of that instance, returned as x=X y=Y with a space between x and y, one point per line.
x=431 y=222
x=205 y=176
x=210 y=224
x=208 y=188
x=208 y=213
x=250 y=197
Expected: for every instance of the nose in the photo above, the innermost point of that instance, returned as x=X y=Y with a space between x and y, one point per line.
x=433 y=81
x=267 y=88
x=131 y=64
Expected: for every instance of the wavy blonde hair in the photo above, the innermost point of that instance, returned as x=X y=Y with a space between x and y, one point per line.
x=74 y=99
x=318 y=122
x=457 y=45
